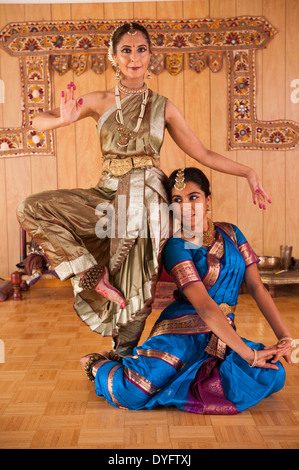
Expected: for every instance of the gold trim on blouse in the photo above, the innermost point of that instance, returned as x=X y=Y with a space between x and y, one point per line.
x=249 y=256
x=183 y=273
x=228 y=229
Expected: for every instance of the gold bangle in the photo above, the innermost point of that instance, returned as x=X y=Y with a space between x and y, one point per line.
x=255 y=358
x=287 y=339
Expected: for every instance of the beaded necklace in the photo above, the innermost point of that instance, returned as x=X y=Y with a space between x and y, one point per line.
x=126 y=134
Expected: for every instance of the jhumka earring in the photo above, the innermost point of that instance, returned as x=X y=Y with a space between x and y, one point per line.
x=117 y=73
x=180 y=180
x=149 y=74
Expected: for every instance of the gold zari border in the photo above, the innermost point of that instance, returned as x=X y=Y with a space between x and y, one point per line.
x=170 y=359
x=184 y=273
x=185 y=325
x=214 y=256
x=110 y=385
x=141 y=382
x=248 y=254
x=193 y=324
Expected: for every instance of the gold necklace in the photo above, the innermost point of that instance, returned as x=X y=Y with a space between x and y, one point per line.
x=132 y=91
x=126 y=134
x=208 y=237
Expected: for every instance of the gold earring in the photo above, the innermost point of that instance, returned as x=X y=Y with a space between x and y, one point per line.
x=149 y=74
x=117 y=73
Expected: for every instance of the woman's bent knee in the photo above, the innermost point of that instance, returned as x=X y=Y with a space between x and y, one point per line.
x=32 y=205
x=22 y=209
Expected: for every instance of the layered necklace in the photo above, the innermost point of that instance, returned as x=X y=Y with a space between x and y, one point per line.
x=127 y=134
x=208 y=237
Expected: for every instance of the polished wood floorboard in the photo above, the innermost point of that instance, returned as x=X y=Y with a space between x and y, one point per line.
x=47 y=403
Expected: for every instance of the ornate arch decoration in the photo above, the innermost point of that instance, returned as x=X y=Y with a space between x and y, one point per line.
x=77 y=45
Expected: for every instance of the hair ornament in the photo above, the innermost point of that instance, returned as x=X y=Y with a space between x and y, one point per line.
x=132 y=31
x=110 y=48
x=180 y=180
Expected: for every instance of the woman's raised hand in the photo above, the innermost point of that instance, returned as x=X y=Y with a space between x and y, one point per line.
x=70 y=107
x=259 y=195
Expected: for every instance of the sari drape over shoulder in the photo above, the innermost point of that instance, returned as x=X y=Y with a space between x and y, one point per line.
x=118 y=223
x=183 y=363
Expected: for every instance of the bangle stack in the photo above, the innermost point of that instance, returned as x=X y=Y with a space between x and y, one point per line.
x=255 y=358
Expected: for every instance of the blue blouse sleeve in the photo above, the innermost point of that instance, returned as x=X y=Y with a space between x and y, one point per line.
x=239 y=235
x=174 y=252
x=178 y=263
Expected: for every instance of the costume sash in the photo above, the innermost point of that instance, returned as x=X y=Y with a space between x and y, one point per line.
x=138 y=213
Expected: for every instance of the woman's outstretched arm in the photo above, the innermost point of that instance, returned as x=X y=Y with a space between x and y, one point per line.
x=268 y=308
x=214 y=318
x=185 y=138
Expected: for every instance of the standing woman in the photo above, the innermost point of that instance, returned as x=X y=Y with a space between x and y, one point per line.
x=114 y=273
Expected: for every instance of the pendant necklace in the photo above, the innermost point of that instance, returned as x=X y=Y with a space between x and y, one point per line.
x=126 y=134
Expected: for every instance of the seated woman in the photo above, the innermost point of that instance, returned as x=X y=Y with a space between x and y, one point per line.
x=194 y=359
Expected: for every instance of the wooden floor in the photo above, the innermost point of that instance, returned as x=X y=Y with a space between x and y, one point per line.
x=47 y=403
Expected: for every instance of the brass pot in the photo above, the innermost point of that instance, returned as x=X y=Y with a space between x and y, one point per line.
x=269 y=263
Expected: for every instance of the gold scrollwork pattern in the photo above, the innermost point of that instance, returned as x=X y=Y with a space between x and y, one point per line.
x=183 y=273
x=249 y=256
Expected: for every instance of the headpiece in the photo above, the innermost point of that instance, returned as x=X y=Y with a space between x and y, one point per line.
x=180 y=180
x=132 y=31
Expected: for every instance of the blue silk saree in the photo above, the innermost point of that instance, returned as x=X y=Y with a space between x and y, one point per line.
x=183 y=363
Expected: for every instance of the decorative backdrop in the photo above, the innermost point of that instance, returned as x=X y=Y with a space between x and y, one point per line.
x=77 y=45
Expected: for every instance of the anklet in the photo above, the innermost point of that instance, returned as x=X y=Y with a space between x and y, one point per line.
x=91 y=277
x=94 y=359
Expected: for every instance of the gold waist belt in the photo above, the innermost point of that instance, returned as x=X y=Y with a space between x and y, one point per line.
x=121 y=166
x=226 y=309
